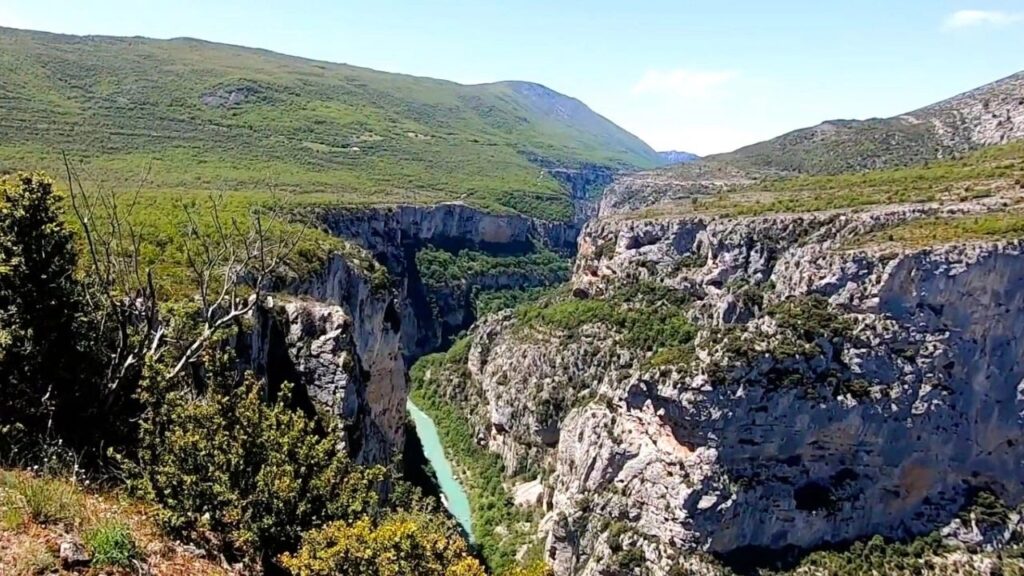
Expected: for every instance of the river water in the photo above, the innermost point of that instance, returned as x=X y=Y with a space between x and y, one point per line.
x=454 y=496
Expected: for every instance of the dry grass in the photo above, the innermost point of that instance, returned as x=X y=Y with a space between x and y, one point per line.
x=36 y=514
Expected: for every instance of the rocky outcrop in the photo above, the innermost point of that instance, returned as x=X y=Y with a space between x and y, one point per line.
x=632 y=192
x=386 y=231
x=585 y=186
x=837 y=389
x=338 y=338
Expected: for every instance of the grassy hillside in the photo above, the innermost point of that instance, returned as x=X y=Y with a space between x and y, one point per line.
x=211 y=116
x=991 y=114
x=981 y=174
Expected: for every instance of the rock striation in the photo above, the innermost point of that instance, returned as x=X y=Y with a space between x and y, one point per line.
x=393 y=235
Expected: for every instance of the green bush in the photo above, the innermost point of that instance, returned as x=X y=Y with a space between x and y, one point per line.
x=47 y=338
x=650 y=317
x=489 y=302
x=439 y=268
x=406 y=543
x=111 y=544
x=257 y=474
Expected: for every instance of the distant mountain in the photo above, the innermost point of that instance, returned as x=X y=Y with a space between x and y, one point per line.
x=215 y=116
x=992 y=114
x=678 y=157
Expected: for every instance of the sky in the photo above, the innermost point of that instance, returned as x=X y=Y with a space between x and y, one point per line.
x=700 y=76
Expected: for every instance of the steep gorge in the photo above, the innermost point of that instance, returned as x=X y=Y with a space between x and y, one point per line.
x=348 y=338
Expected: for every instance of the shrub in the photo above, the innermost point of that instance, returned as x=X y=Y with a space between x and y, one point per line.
x=406 y=543
x=649 y=316
x=630 y=561
x=810 y=318
x=538 y=568
x=111 y=544
x=257 y=474
x=438 y=268
x=673 y=356
x=491 y=301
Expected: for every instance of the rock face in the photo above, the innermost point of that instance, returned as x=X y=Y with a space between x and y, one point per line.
x=344 y=338
x=585 y=186
x=394 y=235
x=339 y=341
x=836 y=389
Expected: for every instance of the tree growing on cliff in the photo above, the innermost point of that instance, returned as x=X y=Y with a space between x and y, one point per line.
x=230 y=262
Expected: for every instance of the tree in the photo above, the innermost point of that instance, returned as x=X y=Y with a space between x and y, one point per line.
x=46 y=335
x=231 y=262
x=254 y=473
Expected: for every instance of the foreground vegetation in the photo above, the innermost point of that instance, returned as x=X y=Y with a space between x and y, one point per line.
x=95 y=381
x=117 y=533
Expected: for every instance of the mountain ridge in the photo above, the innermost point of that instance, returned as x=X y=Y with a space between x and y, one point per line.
x=218 y=116
x=678 y=156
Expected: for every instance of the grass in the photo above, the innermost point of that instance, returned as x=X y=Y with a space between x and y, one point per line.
x=850 y=147
x=115 y=531
x=25 y=498
x=307 y=127
x=32 y=559
x=1002 y=225
x=980 y=174
x=111 y=544
x=160 y=220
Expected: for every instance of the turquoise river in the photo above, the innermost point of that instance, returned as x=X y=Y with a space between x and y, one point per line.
x=454 y=496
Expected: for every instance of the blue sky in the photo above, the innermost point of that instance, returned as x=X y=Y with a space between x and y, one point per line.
x=699 y=76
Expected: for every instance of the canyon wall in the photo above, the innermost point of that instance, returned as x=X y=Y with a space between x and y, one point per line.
x=839 y=386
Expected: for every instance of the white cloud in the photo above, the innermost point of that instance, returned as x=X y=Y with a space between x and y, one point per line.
x=972 y=18
x=699 y=138
x=693 y=84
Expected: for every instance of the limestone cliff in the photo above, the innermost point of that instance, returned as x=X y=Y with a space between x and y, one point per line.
x=838 y=385
x=395 y=234
x=337 y=338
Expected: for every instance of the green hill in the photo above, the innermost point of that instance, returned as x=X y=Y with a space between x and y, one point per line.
x=211 y=116
x=990 y=115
